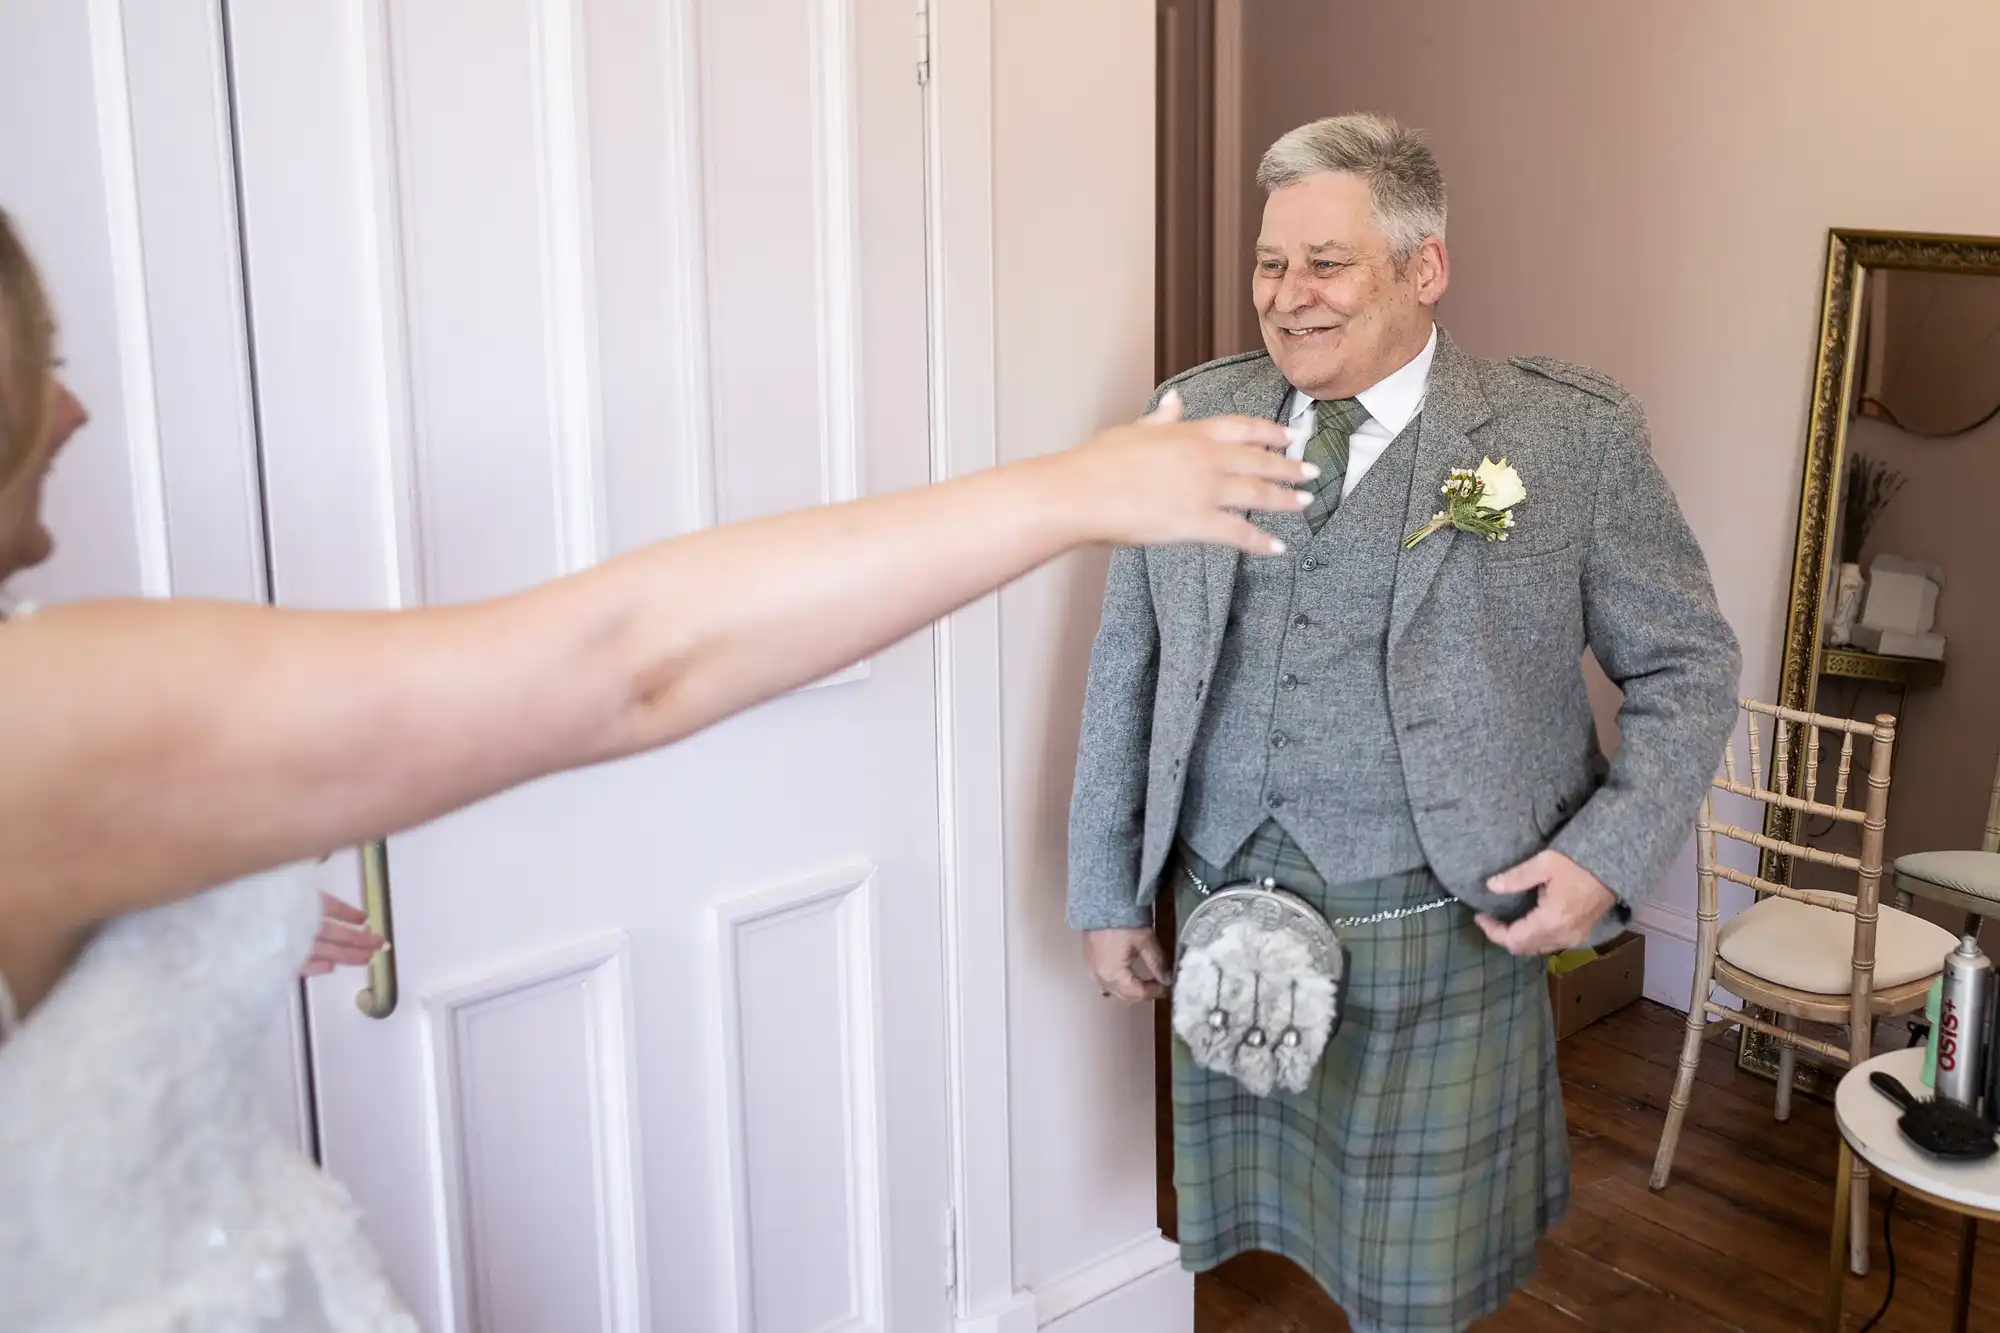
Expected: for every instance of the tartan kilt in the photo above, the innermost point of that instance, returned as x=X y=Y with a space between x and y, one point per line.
x=1416 y=1174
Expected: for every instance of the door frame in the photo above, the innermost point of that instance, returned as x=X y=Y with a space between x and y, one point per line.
x=1186 y=151
x=958 y=180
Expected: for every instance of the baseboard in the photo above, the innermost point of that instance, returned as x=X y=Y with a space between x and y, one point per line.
x=1669 y=968
x=1141 y=1286
x=1016 y=1316
x=1657 y=917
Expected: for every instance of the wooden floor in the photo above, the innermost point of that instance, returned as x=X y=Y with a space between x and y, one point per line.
x=1737 y=1241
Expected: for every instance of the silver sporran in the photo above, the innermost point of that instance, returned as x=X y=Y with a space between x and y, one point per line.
x=1257 y=986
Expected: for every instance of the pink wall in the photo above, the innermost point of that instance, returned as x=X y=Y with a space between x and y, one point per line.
x=1646 y=187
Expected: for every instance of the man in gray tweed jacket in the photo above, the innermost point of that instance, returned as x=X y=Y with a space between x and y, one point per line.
x=1379 y=727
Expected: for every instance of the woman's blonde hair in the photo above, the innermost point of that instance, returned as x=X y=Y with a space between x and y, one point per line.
x=25 y=353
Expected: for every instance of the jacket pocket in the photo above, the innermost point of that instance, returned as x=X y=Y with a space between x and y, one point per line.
x=1533 y=567
x=1531 y=605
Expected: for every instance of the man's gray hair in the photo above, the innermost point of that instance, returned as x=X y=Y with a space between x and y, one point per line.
x=1398 y=166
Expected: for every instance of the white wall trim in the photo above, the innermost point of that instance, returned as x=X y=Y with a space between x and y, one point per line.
x=1654 y=915
x=971 y=790
x=835 y=167
x=569 y=330
x=1161 y=1301
x=602 y=964
x=1670 y=952
x=1016 y=1316
x=1114 y=1273
x=126 y=243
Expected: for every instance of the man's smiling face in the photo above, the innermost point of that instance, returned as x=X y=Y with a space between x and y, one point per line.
x=1337 y=313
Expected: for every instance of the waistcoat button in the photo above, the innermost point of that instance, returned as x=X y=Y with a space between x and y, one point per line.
x=1301 y=620
x=1278 y=739
x=1309 y=564
x=1288 y=682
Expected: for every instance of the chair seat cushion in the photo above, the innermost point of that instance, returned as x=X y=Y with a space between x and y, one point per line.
x=1976 y=873
x=1812 y=948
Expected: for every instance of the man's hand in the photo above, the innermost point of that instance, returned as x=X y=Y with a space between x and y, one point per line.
x=1572 y=901
x=1128 y=963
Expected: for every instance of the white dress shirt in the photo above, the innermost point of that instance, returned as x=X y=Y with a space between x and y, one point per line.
x=1390 y=403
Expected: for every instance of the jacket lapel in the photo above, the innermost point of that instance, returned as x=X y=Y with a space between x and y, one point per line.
x=1262 y=395
x=1454 y=406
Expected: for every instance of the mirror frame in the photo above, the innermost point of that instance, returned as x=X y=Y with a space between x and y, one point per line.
x=1850 y=253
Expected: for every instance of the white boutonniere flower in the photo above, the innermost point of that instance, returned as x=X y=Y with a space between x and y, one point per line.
x=1478 y=500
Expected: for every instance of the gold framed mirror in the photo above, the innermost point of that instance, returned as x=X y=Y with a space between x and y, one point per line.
x=1892 y=563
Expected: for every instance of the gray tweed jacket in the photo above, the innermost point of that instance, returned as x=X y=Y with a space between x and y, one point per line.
x=1485 y=641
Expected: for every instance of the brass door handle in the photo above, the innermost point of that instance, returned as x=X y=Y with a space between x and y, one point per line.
x=379 y=999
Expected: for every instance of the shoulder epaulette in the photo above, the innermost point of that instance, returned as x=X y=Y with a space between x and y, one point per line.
x=1216 y=364
x=1593 y=382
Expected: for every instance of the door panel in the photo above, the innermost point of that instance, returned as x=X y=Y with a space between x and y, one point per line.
x=531 y=283
x=488 y=163
x=779 y=112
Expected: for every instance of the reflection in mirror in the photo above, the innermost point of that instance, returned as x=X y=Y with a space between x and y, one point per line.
x=1910 y=621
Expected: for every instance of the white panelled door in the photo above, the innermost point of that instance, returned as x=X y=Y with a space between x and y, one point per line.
x=532 y=282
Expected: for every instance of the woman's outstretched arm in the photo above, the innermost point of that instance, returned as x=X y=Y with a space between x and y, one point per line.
x=149 y=750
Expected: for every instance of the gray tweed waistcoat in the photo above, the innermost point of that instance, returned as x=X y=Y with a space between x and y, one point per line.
x=1298 y=727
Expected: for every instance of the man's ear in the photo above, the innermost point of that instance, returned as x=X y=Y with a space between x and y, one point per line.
x=1432 y=263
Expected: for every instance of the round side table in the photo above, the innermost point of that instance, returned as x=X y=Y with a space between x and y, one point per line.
x=1868 y=1130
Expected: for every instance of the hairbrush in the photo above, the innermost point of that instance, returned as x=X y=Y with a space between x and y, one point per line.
x=1940 y=1128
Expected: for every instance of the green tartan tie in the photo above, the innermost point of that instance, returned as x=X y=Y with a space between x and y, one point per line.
x=1337 y=421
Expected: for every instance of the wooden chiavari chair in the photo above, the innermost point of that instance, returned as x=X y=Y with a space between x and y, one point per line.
x=1807 y=955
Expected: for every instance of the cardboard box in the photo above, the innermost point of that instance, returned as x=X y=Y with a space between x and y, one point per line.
x=1602 y=986
x=1895 y=643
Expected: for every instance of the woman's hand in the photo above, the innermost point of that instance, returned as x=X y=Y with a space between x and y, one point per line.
x=343 y=939
x=1165 y=480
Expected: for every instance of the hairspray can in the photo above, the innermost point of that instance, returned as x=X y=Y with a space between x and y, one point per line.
x=1962 y=1013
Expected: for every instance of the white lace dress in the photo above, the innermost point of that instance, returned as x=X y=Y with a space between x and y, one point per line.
x=143 y=1188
